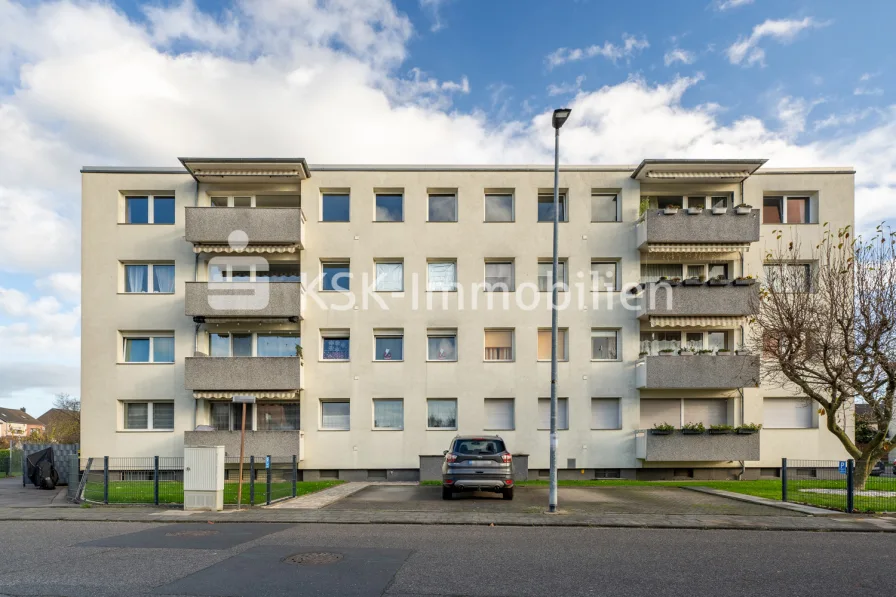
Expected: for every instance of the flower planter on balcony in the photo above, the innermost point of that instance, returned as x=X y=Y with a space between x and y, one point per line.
x=693 y=282
x=692 y=432
x=744 y=281
x=743 y=210
x=661 y=432
x=695 y=211
x=670 y=211
x=719 y=282
x=686 y=353
x=721 y=431
x=719 y=211
x=746 y=431
x=669 y=281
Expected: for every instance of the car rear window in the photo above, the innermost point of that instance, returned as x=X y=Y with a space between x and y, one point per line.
x=485 y=447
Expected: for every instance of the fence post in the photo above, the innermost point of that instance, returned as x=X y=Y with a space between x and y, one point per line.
x=267 y=466
x=783 y=479
x=24 y=464
x=251 y=480
x=850 y=485
x=105 y=479
x=295 y=474
x=155 y=479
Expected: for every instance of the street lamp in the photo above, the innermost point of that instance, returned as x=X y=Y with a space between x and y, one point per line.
x=559 y=117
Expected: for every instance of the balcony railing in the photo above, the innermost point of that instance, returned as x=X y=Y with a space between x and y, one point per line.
x=271 y=299
x=705 y=300
x=678 y=447
x=657 y=227
x=243 y=373
x=263 y=226
x=697 y=372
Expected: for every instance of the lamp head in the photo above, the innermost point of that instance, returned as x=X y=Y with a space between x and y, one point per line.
x=560 y=116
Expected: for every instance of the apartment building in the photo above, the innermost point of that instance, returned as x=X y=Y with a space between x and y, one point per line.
x=392 y=307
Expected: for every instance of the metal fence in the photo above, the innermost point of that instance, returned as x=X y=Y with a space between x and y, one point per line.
x=831 y=484
x=11 y=462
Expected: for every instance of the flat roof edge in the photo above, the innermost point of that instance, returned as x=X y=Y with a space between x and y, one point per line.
x=464 y=168
x=132 y=170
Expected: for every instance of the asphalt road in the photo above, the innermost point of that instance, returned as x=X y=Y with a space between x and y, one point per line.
x=100 y=559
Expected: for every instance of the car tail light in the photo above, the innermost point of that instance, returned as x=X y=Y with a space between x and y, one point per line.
x=451 y=458
x=508 y=482
x=449 y=481
x=507 y=458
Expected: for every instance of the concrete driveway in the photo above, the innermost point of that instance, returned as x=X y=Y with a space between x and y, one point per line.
x=578 y=500
x=13 y=495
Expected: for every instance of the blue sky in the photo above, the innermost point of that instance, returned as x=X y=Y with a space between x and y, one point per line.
x=88 y=82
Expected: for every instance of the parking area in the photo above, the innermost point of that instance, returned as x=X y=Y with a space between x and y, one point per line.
x=574 y=500
x=14 y=495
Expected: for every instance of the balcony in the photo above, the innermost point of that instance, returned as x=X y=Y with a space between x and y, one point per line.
x=697 y=372
x=678 y=447
x=243 y=374
x=662 y=300
x=659 y=232
x=271 y=300
x=282 y=226
x=258 y=443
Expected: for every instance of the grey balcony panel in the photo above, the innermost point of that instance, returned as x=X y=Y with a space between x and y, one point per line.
x=273 y=226
x=258 y=443
x=242 y=373
x=706 y=227
x=678 y=447
x=698 y=372
x=284 y=299
x=708 y=301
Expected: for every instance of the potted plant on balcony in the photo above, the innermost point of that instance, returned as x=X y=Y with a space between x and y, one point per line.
x=696 y=210
x=693 y=429
x=694 y=281
x=671 y=210
x=642 y=354
x=637 y=288
x=719 y=280
x=744 y=281
x=667 y=352
x=720 y=429
x=748 y=428
x=719 y=210
x=742 y=351
x=704 y=351
x=662 y=429
x=299 y=353
x=724 y=352
x=687 y=351
x=743 y=209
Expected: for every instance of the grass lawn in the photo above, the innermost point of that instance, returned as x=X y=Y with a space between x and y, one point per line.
x=172 y=492
x=2 y=474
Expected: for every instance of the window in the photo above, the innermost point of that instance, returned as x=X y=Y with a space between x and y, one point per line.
x=546 y=206
x=149 y=209
x=389 y=207
x=149 y=416
x=499 y=414
x=544 y=413
x=498 y=207
x=389 y=276
x=388 y=413
x=442 y=207
x=653 y=342
x=441 y=413
x=441 y=276
x=605 y=413
x=788 y=413
x=498 y=345
x=277 y=416
x=441 y=345
x=219 y=415
x=786 y=209
x=231 y=201
x=719 y=202
x=546 y=273
x=652 y=272
x=334 y=345
x=279 y=271
x=603 y=276
x=604 y=345
x=230 y=345
x=604 y=207
x=148 y=349
x=788 y=277
x=499 y=276
x=137 y=278
x=335 y=207
x=388 y=345
x=278 y=345
x=334 y=415
x=236 y=416
x=717 y=340
x=265 y=344
x=478 y=447
x=336 y=276
x=718 y=269
x=707 y=411
x=544 y=344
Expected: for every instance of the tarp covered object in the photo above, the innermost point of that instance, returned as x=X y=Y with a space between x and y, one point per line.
x=41 y=471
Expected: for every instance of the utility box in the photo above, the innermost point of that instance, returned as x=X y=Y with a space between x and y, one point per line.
x=204 y=478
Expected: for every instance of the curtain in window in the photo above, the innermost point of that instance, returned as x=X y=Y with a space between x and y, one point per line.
x=652 y=272
x=603 y=276
x=135 y=278
x=442 y=276
x=441 y=413
x=545 y=275
x=499 y=413
x=335 y=349
x=136 y=350
x=163 y=415
x=334 y=415
x=390 y=277
x=274 y=345
x=498 y=345
x=442 y=348
x=388 y=414
x=278 y=417
x=389 y=348
x=136 y=415
x=499 y=276
x=603 y=345
x=163 y=278
x=220 y=416
x=163 y=350
x=653 y=342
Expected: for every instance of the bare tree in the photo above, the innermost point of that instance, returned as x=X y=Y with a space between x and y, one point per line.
x=826 y=319
x=67 y=402
x=65 y=422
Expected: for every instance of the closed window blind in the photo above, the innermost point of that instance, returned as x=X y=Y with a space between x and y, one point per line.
x=136 y=415
x=544 y=345
x=788 y=413
x=605 y=413
x=499 y=413
x=544 y=413
x=441 y=276
x=163 y=415
x=390 y=277
x=706 y=411
x=657 y=412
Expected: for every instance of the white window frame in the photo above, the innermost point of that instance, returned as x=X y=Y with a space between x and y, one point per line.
x=125 y=336
x=150 y=208
x=456 y=414
x=802 y=264
x=149 y=276
x=562 y=341
x=253 y=340
x=376 y=279
x=150 y=423
x=511 y=402
x=388 y=333
x=373 y=414
x=391 y=192
x=512 y=345
x=616 y=280
x=448 y=333
x=618 y=345
x=499 y=192
x=812 y=206
x=616 y=202
x=334 y=335
x=560 y=401
x=320 y=420
x=618 y=402
x=498 y=261
x=442 y=193
x=431 y=261
x=562 y=199
x=231 y=199
x=563 y=264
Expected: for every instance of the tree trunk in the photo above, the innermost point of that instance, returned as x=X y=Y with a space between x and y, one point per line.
x=862 y=471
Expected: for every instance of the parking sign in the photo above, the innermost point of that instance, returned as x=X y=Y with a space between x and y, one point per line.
x=842 y=467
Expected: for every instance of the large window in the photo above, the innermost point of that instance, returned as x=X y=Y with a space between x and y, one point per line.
x=388 y=413
x=653 y=342
x=499 y=276
x=544 y=344
x=441 y=413
x=498 y=207
x=389 y=276
x=498 y=345
x=335 y=415
x=603 y=276
x=653 y=272
x=788 y=413
x=335 y=207
x=149 y=209
x=604 y=345
x=149 y=416
x=546 y=273
x=788 y=277
x=248 y=344
x=336 y=276
x=787 y=209
x=278 y=345
x=334 y=345
x=442 y=207
x=389 y=207
x=230 y=345
x=277 y=416
x=148 y=349
x=279 y=271
x=499 y=414
x=604 y=207
x=149 y=278
x=388 y=345
x=605 y=413
x=441 y=345
x=441 y=276
x=546 y=206
x=544 y=413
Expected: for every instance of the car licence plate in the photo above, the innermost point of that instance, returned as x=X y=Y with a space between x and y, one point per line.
x=482 y=463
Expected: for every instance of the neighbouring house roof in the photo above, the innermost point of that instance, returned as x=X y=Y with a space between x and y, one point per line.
x=863 y=409
x=13 y=415
x=56 y=413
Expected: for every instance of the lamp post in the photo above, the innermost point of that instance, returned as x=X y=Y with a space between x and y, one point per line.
x=559 y=117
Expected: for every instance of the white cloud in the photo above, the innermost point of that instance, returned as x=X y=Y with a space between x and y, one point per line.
x=34 y=236
x=723 y=5
x=679 y=55
x=630 y=45
x=840 y=120
x=566 y=88
x=864 y=89
x=434 y=9
x=746 y=50
x=65 y=286
x=185 y=22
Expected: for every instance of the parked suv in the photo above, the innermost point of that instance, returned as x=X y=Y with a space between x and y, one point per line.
x=477 y=463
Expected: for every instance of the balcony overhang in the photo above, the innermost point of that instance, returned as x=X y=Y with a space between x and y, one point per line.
x=697 y=322
x=290 y=395
x=696 y=171
x=695 y=247
x=215 y=248
x=247 y=170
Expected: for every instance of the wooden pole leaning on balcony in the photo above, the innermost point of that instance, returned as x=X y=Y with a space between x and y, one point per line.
x=239 y=488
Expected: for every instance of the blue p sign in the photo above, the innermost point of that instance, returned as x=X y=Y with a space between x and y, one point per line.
x=842 y=467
